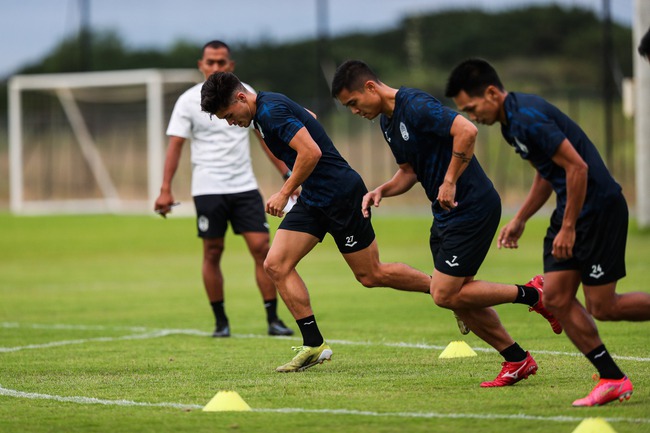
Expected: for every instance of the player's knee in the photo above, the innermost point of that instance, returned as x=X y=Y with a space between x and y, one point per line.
x=605 y=312
x=274 y=269
x=443 y=299
x=368 y=280
x=213 y=253
x=260 y=251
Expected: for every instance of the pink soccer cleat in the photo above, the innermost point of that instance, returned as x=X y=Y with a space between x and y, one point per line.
x=605 y=391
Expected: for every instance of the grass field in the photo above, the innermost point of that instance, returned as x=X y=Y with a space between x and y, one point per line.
x=104 y=326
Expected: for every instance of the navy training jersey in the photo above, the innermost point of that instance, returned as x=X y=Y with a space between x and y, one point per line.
x=418 y=133
x=278 y=119
x=536 y=129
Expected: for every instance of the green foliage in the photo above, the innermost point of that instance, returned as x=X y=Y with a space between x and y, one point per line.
x=548 y=47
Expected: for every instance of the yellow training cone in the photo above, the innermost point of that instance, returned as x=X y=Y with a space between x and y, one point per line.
x=594 y=425
x=226 y=401
x=457 y=349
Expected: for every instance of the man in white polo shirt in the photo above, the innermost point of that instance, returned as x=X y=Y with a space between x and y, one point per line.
x=224 y=189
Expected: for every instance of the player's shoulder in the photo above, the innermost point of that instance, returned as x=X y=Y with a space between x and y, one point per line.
x=526 y=101
x=192 y=91
x=412 y=94
x=418 y=99
x=527 y=107
x=191 y=95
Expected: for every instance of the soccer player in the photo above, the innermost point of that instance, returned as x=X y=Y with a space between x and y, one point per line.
x=644 y=46
x=433 y=145
x=224 y=189
x=585 y=241
x=330 y=196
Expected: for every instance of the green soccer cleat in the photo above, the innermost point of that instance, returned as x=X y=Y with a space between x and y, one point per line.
x=462 y=327
x=307 y=357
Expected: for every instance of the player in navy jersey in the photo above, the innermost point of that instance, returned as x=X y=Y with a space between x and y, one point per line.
x=433 y=145
x=585 y=241
x=331 y=190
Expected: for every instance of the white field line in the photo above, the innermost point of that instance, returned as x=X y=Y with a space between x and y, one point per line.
x=91 y=400
x=155 y=333
x=144 y=333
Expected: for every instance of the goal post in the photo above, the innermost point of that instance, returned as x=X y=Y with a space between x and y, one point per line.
x=91 y=142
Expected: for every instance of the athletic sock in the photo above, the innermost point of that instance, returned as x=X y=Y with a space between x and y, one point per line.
x=513 y=353
x=271 y=307
x=526 y=295
x=219 y=312
x=602 y=360
x=311 y=335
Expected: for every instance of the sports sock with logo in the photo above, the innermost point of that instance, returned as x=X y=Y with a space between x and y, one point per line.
x=271 y=307
x=311 y=335
x=601 y=359
x=219 y=312
x=513 y=353
x=526 y=295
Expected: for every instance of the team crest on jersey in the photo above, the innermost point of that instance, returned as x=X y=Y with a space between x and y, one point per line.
x=403 y=131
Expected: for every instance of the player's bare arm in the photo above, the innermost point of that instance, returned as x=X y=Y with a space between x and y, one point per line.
x=308 y=156
x=576 y=170
x=539 y=194
x=165 y=200
x=464 y=133
x=402 y=181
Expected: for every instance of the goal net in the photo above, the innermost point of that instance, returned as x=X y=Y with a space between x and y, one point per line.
x=91 y=142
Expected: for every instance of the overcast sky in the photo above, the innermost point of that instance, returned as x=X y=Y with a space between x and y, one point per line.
x=30 y=29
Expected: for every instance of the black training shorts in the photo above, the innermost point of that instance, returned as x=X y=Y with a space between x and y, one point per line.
x=244 y=210
x=342 y=219
x=459 y=247
x=599 y=250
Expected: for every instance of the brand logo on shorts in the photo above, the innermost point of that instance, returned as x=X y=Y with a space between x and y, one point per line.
x=387 y=137
x=403 y=131
x=453 y=262
x=349 y=241
x=596 y=271
x=203 y=223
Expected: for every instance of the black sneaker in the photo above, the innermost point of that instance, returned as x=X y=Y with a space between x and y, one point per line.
x=278 y=328
x=221 y=331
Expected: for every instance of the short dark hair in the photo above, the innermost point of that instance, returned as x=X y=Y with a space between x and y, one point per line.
x=219 y=90
x=473 y=76
x=215 y=44
x=351 y=75
x=644 y=46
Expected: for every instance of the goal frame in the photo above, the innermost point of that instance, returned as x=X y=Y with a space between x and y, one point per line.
x=63 y=84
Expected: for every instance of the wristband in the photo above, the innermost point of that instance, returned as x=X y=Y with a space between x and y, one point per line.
x=286 y=175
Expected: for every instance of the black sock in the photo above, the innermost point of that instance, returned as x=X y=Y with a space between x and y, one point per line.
x=219 y=312
x=513 y=353
x=526 y=295
x=601 y=359
x=311 y=336
x=271 y=307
